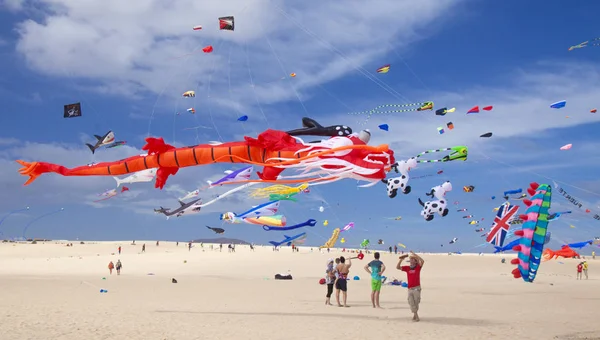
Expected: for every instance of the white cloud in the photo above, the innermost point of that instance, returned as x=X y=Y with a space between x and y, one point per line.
x=13 y=5
x=132 y=45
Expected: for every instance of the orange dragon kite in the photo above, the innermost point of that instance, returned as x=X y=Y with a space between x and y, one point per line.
x=344 y=155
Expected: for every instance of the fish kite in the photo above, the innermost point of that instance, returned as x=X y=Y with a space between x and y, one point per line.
x=242 y=174
x=105 y=140
x=289 y=240
x=137 y=177
x=566 y=147
x=585 y=44
x=348 y=227
x=190 y=194
x=384 y=69
x=72 y=110
x=263 y=214
x=217 y=230
x=190 y=208
x=443 y=111
x=111 y=193
x=486 y=135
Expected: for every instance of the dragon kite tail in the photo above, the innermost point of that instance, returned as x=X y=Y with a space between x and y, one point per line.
x=36 y=169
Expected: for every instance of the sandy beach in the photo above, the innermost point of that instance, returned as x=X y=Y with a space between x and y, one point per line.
x=51 y=291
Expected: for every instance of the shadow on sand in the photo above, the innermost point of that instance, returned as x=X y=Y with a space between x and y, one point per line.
x=434 y=320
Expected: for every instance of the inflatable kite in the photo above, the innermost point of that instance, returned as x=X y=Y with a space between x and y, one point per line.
x=383 y=69
x=347 y=227
x=289 y=240
x=309 y=223
x=457 y=153
x=443 y=111
x=263 y=214
x=400 y=183
x=325 y=161
x=593 y=42
x=439 y=205
x=278 y=190
x=111 y=193
x=533 y=232
x=559 y=104
x=397 y=108
x=217 y=230
x=365 y=243
x=332 y=240
x=565 y=252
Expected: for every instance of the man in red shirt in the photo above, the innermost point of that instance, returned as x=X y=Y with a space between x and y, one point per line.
x=413 y=275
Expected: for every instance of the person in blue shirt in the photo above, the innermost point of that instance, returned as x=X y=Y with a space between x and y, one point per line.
x=375 y=268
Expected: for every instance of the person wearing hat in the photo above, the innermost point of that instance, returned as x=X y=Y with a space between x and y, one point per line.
x=329 y=280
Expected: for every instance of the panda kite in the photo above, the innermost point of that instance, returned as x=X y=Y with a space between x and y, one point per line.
x=400 y=183
x=439 y=205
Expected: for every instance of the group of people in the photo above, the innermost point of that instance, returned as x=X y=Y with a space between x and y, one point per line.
x=582 y=269
x=117 y=266
x=337 y=276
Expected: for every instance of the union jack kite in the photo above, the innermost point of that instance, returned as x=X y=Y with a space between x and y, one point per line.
x=506 y=212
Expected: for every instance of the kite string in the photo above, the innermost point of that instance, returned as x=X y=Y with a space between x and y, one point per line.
x=332 y=48
x=284 y=72
x=252 y=83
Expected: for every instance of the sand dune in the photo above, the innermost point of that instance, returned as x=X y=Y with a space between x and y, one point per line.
x=50 y=291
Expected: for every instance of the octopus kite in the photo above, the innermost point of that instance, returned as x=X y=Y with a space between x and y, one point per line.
x=344 y=155
x=533 y=233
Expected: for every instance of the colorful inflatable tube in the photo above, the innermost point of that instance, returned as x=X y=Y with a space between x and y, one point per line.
x=533 y=232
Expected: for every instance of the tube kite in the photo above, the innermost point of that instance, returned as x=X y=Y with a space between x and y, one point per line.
x=533 y=232
x=332 y=240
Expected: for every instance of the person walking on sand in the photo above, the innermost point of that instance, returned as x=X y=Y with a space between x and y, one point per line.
x=585 y=269
x=329 y=280
x=341 y=284
x=395 y=249
x=579 y=270
x=111 y=266
x=593 y=255
x=190 y=246
x=413 y=275
x=118 y=267
x=119 y=250
x=375 y=268
x=144 y=248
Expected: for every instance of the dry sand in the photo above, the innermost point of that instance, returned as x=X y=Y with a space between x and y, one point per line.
x=50 y=291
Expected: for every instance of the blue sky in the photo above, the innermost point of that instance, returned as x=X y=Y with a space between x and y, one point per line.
x=122 y=66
